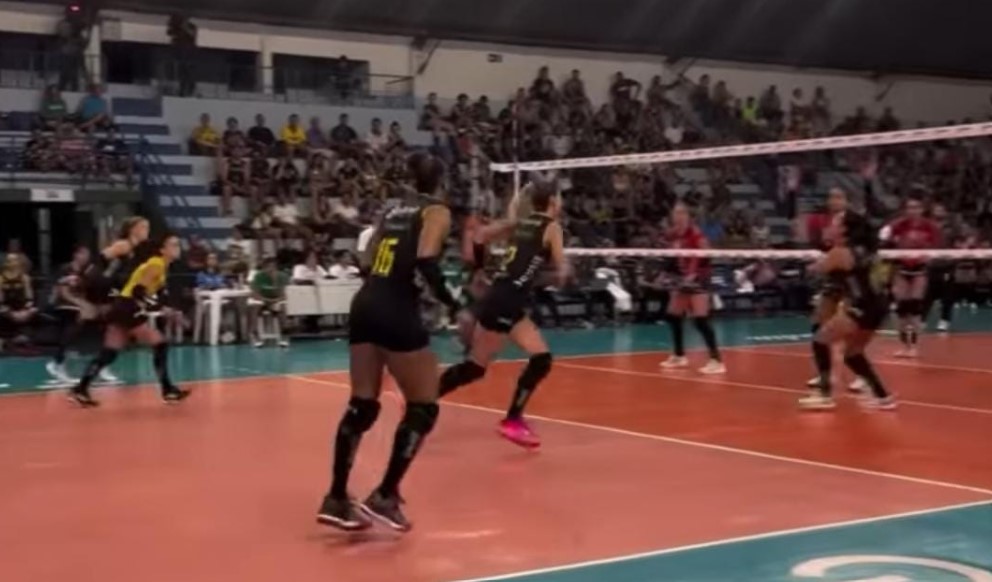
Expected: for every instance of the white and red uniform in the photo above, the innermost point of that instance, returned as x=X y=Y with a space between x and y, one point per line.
x=914 y=233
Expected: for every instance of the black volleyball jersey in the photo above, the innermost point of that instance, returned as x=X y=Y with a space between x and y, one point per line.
x=394 y=263
x=106 y=277
x=858 y=284
x=526 y=254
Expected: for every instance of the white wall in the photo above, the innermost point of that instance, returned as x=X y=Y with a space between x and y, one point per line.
x=458 y=67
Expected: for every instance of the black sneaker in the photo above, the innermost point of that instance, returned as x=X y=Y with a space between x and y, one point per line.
x=387 y=510
x=172 y=394
x=81 y=396
x=342 y=514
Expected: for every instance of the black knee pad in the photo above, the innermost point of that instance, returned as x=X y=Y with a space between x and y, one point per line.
x=702 y=324
x=360 y=415
x=904 y=307
x=462 y=373
x=914 y=307
x=855 y=361
x=421 y=417
x=106 y=357
x=537 y=368
x=160 y=351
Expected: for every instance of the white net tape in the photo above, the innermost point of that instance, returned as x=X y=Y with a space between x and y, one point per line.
x=802 y=255
x=759 y=149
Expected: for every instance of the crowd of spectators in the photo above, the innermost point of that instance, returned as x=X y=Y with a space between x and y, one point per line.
x=84 y=142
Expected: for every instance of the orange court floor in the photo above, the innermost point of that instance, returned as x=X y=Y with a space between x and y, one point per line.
x=644 y=475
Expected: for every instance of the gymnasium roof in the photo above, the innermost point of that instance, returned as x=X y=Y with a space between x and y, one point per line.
x=943 y=37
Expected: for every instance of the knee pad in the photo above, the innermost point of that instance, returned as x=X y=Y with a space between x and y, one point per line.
x=360 y=415
x=159 y=351
x=914 y=307
x=537 y=368
x=463 y=373
x=106 y=357
x=702 y=323
x=903 y=308
x=421 y=417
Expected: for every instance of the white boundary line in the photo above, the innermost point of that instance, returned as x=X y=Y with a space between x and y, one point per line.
x=917 y=364
x=699 y=445
x=677 y=377
x=730 y=541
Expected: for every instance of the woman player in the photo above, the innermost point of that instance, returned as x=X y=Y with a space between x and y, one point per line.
x=502 y=312
x=850 y=265
x=830 y=296
x=387 y=332
x=909 y=282
x=109 y=270
x=127 y=319
x=691 y=297
x=72 y=310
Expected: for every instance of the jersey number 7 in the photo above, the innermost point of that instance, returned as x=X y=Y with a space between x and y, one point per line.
x=385 y=254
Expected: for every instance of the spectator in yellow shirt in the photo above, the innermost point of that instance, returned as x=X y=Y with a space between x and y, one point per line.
x=294 y=137
x=205 y=141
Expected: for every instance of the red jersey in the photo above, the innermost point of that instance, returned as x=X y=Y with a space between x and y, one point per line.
x=914 y=233
x=691 y=238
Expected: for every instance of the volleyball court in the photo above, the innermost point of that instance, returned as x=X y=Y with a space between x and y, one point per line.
x=640 y=464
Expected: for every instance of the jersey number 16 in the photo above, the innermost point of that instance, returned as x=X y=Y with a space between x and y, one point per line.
x=385 y=254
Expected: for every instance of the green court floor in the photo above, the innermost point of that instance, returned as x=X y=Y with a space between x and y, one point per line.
x=945 y=546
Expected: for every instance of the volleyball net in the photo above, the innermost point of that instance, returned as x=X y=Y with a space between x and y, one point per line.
x=786 y=183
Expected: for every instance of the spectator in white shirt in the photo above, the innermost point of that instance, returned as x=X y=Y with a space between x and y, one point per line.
x=345 y=214
x=343 y=267
x=377 y=139
x=286 y=216
x=310 y=271
x=675 y=133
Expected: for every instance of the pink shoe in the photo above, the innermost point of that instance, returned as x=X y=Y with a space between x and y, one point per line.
x=517 y=432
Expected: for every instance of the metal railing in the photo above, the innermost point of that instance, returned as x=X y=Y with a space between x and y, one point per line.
x=37 y=70
x=16 y=171
x=283 y=84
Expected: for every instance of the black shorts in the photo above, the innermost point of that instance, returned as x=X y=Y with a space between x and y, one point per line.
x=127 y=313
x=502 y=307
x=386 y=321
x=868 y=314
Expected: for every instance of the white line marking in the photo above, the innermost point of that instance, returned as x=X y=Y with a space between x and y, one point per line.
x=675 y=376
x=730 y=541
x=901 y=363
x=696 y=444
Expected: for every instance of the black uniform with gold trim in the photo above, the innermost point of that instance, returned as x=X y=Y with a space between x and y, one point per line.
x=386 y=310
x=862 y=288
x=507 y=300
x=130 y=308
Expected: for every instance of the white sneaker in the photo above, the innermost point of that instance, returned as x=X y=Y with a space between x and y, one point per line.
x=813 y=382
x=57 y=371
x=675 y=362
x=872 y=403
x=108 y=377
x=817 y=402
x=906 y=352
x=713 y=367
x=284 y=343
x=858 y=385
x=258 y=344
x=944 y=325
